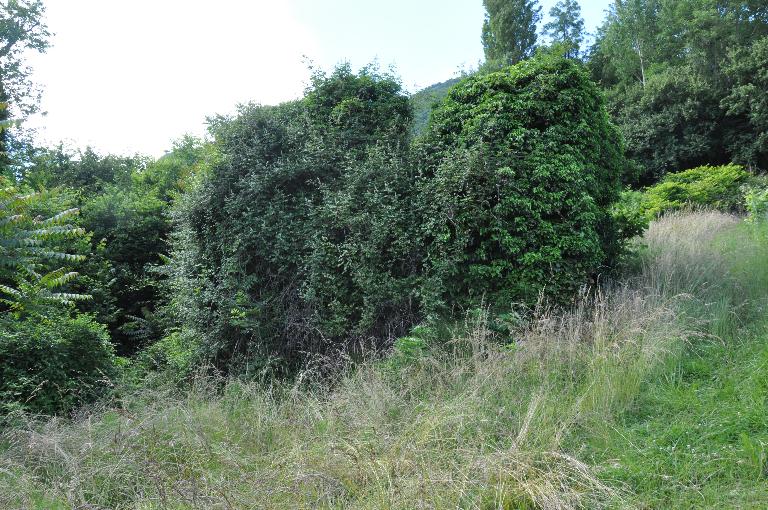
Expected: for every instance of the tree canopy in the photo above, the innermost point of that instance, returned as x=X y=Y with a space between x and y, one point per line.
x=22 y=28
x=566 y=26
x=674 y=71
x=509 y=30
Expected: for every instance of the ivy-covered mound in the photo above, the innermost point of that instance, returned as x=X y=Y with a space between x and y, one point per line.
x=323 y=226
x=522 y=166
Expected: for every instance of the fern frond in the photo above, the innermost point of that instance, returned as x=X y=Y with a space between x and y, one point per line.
x=9 y=291
x=57 y=255
x=27 y=245
x=67 y=231
x=15 y=218
x=20 y=241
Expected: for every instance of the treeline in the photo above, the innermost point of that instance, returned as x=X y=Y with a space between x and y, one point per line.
x=686 y=82
x=332 y=224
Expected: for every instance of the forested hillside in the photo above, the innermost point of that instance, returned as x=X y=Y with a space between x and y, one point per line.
x=424 y=100
x=540 y=285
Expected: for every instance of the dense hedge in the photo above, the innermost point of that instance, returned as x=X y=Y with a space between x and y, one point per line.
x=323 y=226
x=522 y=165
x=299 y=237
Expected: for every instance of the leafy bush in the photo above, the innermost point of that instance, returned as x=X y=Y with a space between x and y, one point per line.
x=130 y=227
x=717 y=187
x=671 y=123
x=50 y=360
x=320 y=228
x=520 y=168
x=299 y=239
x=33 y=246
x=176 y=353
x=124 y=203
x=51 y=363
x=629 y=213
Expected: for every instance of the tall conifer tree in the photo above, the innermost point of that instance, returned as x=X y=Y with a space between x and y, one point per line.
x=509 y=30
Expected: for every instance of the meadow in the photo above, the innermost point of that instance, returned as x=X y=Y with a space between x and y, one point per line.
x=649 y=392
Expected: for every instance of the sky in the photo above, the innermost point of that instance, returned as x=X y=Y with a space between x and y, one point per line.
x=131 y=76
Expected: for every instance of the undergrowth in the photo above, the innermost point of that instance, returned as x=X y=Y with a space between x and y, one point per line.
x=649 y=393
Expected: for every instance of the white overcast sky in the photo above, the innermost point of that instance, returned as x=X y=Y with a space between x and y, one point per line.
x=131 y=76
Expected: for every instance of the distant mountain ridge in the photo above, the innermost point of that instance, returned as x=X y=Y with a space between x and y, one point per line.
x=423 y=101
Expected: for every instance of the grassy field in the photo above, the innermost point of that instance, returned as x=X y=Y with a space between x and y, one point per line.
x=648 y=394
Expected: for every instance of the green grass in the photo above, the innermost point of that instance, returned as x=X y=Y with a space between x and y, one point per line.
x=697 y=438
x=650 y=394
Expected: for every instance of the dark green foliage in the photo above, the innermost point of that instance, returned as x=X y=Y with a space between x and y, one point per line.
x=522 y=166
x=129 y=228
x=746 y=106
x=124 y=203
x=5 y=122
x=51 y=363
x=672 y=123
x=50 y=358
x=509 y=31
x=686 y=81
x=357 y=111
x=299 y=238
x=87 y=172
x=320 y=227
x=363 y=272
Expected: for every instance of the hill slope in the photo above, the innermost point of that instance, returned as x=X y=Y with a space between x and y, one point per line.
x=423 y=100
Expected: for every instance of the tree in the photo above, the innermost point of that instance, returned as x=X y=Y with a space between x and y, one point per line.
x=746 y=105
x=509 y=30
x=684 y=81
x=5 y=123
x=566 y=27
x=124 y=203
x=298 y=239
x=30 y=245
x=22 y=28
x=629 y=36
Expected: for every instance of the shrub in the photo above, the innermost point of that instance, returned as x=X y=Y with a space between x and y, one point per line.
x=299 y=239
x=176 y=353
x=49 y=364
x=717 y=187
x=629 y=214
x=521 y=167
x=320 y=228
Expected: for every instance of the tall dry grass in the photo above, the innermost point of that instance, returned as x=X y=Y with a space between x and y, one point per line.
x=480 y=422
